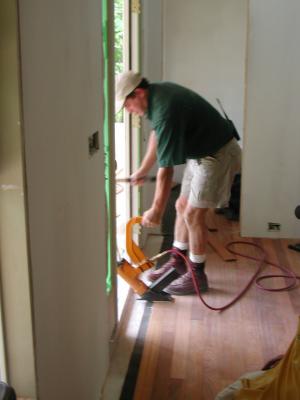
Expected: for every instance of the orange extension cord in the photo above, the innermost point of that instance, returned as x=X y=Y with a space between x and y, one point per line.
x=256 y=278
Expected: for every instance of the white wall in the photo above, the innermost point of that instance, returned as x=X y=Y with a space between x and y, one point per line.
x=204 y=49
x=151 y=50
x=62 y=104
x=271 y=164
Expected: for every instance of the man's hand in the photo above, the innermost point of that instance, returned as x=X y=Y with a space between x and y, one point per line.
x=151 y=218
x=137 y=178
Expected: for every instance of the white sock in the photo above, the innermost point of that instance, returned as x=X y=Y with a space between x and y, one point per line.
x=197 y=258
x=180 y=245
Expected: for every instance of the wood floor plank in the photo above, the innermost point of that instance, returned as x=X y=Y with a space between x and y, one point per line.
x=161 y=390
x=175 y=389
x=181 y=339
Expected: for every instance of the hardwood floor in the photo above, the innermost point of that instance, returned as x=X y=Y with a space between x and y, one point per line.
x=191 y=352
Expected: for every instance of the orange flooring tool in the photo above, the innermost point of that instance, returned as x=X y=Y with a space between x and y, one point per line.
x=140 y=263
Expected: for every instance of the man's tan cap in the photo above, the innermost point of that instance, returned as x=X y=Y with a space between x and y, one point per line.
x=125 y=84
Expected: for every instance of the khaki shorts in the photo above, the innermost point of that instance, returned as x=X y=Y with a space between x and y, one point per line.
x=207 y=181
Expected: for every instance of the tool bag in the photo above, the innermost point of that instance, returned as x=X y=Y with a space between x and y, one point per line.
x=280 y=382
x=7 y=392
x=234 y=130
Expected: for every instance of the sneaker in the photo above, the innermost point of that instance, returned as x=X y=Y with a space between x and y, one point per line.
x=175 y=262
x=184 y=285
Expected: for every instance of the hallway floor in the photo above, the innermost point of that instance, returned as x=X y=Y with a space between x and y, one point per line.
x=183 y=350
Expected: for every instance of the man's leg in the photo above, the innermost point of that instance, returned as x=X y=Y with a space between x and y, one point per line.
x=181 y=233
x=197 y=230
x=180 y=243
x=194 y=219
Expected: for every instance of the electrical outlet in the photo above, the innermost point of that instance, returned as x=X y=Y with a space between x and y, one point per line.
x=274 y=226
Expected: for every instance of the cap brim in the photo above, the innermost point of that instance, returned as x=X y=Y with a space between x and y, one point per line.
x=119 y=104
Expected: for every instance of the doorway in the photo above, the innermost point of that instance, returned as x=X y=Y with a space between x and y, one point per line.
x=126 y=50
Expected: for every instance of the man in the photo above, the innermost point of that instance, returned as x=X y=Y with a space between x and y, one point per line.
x=186 y=129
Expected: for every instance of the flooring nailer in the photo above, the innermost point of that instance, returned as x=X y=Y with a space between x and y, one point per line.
x=131 y=272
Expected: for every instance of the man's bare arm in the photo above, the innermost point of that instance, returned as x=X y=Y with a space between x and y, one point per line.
x=148 y=160
x=153 y=216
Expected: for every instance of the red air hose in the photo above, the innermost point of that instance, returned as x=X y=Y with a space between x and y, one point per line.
x=255 y=278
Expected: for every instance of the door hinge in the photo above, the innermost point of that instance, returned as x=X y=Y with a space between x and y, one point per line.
x=136 y=6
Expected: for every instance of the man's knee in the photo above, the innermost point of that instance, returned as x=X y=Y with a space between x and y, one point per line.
x=194 y=216
x=181 y=204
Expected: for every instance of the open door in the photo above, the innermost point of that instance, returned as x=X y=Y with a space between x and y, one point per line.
x=127 y=144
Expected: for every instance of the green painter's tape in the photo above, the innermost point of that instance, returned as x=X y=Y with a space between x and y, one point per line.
x=106 y=140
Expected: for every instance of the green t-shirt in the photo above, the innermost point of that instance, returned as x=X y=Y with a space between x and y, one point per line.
x=186 y=125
